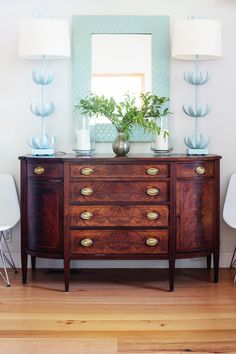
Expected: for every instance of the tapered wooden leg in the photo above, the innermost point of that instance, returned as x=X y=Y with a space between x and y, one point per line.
x=209 y=262
x=66 y=273
x=171 y=273
x=24 y=259
x=33 y=263
x=216 y=266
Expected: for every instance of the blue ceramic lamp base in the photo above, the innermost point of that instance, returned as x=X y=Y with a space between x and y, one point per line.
x=43 y=145
x=196 y=144
x=197 y=151
x=42 y=152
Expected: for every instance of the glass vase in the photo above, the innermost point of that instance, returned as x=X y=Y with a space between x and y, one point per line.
x=162 y=142
x=84 y=134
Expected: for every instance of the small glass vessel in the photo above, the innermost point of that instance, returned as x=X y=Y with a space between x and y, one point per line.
x=162 y=143
x=84 y=134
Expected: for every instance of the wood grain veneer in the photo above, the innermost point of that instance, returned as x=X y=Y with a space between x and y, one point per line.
x=117 y=216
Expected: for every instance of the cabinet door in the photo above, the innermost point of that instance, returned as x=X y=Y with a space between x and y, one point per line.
x=195 y=213
x=45 y=217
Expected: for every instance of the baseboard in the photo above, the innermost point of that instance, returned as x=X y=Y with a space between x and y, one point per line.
x=225 y=259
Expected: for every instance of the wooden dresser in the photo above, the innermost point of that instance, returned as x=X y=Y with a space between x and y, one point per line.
x=105 y=207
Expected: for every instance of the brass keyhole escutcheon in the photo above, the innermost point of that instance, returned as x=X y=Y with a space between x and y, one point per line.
x=200 y=170
x=87 y=171
x=152 y=171
x=39 y=170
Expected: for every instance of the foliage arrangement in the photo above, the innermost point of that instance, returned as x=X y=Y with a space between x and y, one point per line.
x=126 y=114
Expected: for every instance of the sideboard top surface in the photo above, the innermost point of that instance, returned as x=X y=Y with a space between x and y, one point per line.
x=126 y=159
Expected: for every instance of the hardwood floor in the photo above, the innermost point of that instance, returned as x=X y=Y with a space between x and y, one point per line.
x=118 y=311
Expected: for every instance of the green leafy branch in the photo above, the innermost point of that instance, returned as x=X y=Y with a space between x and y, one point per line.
x=126 y=114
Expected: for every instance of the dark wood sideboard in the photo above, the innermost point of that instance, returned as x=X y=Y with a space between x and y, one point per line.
x=105 y=207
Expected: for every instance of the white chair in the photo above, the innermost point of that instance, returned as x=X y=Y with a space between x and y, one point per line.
x=9 y=217
x=229 y=212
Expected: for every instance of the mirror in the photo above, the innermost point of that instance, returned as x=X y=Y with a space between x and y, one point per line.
x=121 y=64
x=114 y=55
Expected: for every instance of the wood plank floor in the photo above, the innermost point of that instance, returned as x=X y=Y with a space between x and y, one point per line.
x=118 y=311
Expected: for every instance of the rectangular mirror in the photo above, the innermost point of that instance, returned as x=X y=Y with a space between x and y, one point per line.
x=121 y=64
x=115 y=55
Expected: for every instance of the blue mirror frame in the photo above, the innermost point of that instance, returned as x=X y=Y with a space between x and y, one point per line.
x=82 y=29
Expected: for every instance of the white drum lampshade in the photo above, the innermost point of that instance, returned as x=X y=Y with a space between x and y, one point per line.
x=44 y=37
x=200 y=37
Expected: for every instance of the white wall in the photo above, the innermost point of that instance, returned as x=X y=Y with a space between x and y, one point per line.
x=17 y=89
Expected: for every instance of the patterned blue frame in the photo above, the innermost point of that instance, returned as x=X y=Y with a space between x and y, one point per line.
x=82 y=29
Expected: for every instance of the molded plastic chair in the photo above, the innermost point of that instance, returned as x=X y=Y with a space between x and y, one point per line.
x=9 y=217
x=229 y=212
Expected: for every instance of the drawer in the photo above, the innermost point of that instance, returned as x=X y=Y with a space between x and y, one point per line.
x=119 y=216
x=148 y=170
x=197 y=169
x=119 y=242
x=54 y=170
x=85 y=192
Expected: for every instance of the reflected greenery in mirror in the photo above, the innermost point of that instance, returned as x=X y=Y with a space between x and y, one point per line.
x=83 y=29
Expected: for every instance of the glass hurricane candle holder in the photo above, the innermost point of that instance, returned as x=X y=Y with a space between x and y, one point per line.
x=84 y=134
x=162 y=142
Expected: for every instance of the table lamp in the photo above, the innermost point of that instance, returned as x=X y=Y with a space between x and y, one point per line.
x=43 y=39
x=197 y=39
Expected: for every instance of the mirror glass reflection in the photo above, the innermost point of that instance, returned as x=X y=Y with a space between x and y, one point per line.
x=121 y=64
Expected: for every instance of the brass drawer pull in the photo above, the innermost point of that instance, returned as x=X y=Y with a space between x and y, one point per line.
x=153 y=191
x=86 y=191
x=152 y=241
x=39 y=170
x=152 y=215
x=86 y=242
x=152 y=171
x=200 y=170
x=87 y=171
x=86 y=215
